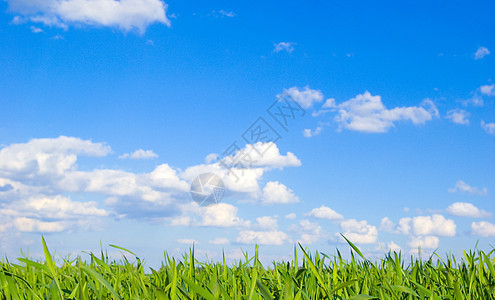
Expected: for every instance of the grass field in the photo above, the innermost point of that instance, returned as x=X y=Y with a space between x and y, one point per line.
x=318 y=277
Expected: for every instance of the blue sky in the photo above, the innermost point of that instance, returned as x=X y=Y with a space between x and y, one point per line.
x=109 y=110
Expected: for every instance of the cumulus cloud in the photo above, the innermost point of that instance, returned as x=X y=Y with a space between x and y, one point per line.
x=266 y=222
x=488 y=90
x=271 y=157
x=462 y=187
x=33 y=225
x=464 y=209
x=481 y=52
x=387 y=225
x=36 y=176
x=359 y=232
x=433 y=225
x=305 y=97
x=51 y=156
x=124 y=14
x=458 y=116
x=290 y=216
x=220 y=215
x=219 y=241
x=324 y=212
x=284 y=46
x=393 y=247
x=52 y=207
x=367 y=113
x=309 y=232
x=421 y=225
x=139 y=154
x=484 y=229
x=425 y=242
x=242 y=171
x=187 y=241
x=488 y=127
x=262 y=237
x=275 y=192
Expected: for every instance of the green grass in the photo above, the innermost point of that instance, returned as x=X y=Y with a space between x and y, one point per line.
x=318 y=277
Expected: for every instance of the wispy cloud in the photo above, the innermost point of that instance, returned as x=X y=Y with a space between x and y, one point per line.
x=458 y=116
x=226 y=13
x=35 y=29
x=488 y=90
x=139 y=154
x=284 y=46
x=488 y=127
x=481 y=52
x=462 y=187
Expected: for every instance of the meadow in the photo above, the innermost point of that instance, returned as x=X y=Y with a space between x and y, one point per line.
x=319 y=276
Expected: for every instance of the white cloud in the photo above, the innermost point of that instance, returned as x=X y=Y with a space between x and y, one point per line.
x=393 y=247
x=481 y=52
x=284 y=46
x=464 y=209
x=324 y=212
x=52 y=207
x=387 y=225
x=139 y=154
x=462 y=187
x=433 y=225
x=311 y=133
x=220 y=215
x=35 y=175
x=124 y=14
x=46 y=156
x=290 y=216
x=367 y=113
x=242 y=171
x=33 y=225
x=488 y=90
x=271 y=157
x=404 y=226
x=35 y=29
x=484 y=229
x=359 y=232
x=180 y=221
x=425 y=242
x=309 y=232
x=275 y=192
x=458 y=116
x=266 y=223
x=219 y=241
x=187 y=241
x=226 y=13
x=421 y=225
x=488 y=127
x=262 y=237
x=306 y=98
x=475 y=100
